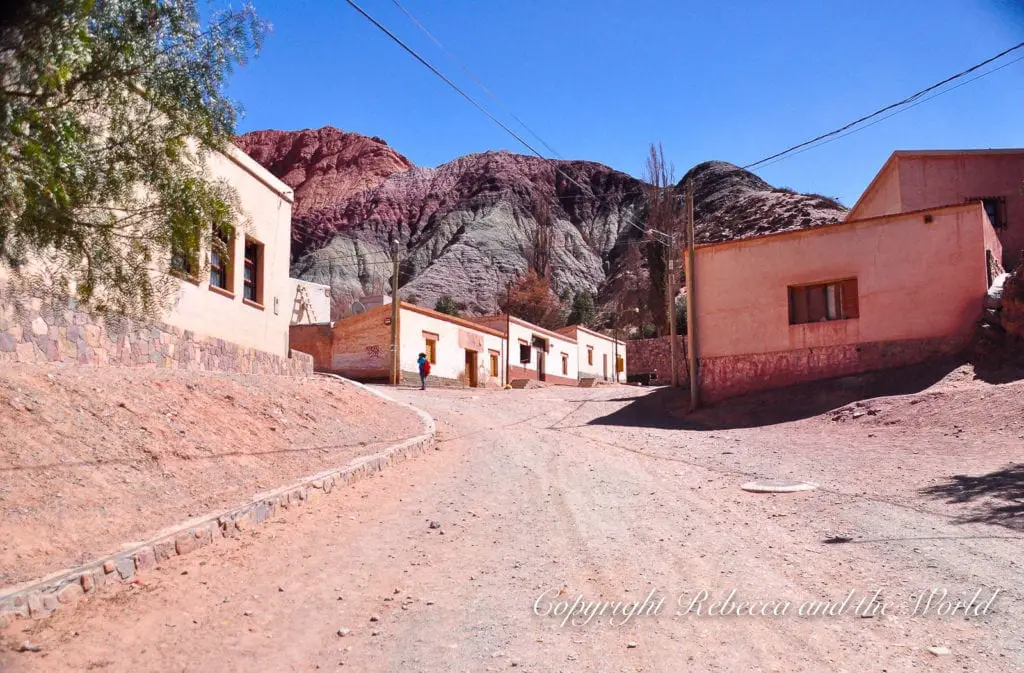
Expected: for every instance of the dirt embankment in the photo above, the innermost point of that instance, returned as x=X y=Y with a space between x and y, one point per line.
x=92 y=458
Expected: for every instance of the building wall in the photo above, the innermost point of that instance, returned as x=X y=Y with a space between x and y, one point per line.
x=266 y=205
x=522 y=331
x=882 y=196
x=36 y=334
x=358 y=347
x=928 y=181
x=318 y=309
x=918 y=281
x=453 y=340
x=603 y=347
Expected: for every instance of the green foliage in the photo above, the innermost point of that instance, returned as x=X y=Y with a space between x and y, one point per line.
x=583 y=309
x=108 y=112
x=445 y=304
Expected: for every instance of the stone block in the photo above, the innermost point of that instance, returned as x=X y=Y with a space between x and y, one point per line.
x=109 y=566
x=39 y=326
x=126 y=567
x=35 y=605
x=163 y=550
x=91 y=335
x=69 y=593
x=25 y=352
x=204 y=534
x=49 y=602
x=145 y=559
x=185 y=543
x=6 y=343
x=88 y=582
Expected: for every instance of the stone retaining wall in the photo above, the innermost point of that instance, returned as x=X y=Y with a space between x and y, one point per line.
x=41 y=597
x=653 y=356
x=36 y=334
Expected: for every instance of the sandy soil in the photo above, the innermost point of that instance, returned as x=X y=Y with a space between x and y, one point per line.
x=92 y=458
x=555 y=493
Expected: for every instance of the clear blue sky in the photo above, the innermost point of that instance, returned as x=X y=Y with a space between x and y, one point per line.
x=600 y=79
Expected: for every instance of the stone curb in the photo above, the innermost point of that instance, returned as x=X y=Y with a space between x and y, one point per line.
x=38 y=598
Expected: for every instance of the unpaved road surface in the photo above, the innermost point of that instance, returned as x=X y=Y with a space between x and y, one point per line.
x=554 y=493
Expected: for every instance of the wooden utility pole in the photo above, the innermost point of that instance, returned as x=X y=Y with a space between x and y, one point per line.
x=396 y=372
x=670 y=297
x=691 y=301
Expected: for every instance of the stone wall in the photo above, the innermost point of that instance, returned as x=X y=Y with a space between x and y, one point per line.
x=653 y=356
x=35 y=333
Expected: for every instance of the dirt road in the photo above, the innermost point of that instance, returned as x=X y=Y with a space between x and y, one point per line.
x=541 y=496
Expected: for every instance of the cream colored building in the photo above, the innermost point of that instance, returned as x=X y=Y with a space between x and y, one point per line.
x=600 y=357
x=458 y=350
x=536 y=353
x=246 y=298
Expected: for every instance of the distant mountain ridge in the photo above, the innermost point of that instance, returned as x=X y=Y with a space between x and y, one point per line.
x=465 y=227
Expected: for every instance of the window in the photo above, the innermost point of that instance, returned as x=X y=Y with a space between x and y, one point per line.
x=494 y=364
x=524 y=353
x=590 y=355
x=995 y=208
x=822 y=302
x=565 y=364
x=185 y=260
x=620 y=365
x=220 y=260
x=431 y=347
x=253 y=289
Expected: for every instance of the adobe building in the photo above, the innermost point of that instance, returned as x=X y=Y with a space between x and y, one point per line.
x=461 y=353
x=920 y=179
x=841 y=299
x=535 y=353
x=230 y=311
x=599 y=356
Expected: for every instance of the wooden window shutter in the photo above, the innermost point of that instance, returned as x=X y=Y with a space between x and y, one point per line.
x=797 y=305
x=817 y=304
x=851 y=302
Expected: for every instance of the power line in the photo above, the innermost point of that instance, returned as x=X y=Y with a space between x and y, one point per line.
x=476 y=79
x=891 y=106
x=477 y=105
x=896 y=112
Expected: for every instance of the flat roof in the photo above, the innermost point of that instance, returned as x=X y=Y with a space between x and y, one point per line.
x=529 y=325
x=824 y=228
x=461 y=322
x=601 y=335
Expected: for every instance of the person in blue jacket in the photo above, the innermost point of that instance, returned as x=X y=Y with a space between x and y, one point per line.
x=424 y=365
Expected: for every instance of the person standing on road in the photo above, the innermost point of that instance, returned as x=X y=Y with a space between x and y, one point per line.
x=424 y=365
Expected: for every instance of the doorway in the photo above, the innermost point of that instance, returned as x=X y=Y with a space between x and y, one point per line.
x=541 y=346
x=471 y=369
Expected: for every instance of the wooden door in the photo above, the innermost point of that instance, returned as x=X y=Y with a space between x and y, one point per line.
x=471 y=369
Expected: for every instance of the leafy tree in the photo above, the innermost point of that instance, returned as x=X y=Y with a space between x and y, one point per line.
x=108 y=112
x=445 y=304
x=532 y=299
x=583 y=309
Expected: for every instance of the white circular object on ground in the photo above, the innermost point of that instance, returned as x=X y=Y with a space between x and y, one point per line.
x=778 y=486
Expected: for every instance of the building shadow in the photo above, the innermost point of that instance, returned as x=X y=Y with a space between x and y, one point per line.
x=993 y=498
x=668 y=408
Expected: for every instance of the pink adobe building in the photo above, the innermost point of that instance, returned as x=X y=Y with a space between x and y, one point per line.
x=915 y=180
x=868 y=293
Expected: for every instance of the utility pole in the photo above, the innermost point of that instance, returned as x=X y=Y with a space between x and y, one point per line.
x=396 y=372
x=670 y=297
x=691 y=301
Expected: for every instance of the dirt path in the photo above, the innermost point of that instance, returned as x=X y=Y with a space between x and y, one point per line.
x=567 y=490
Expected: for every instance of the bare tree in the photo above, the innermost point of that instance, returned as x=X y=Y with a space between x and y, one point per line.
x=538 y=254
x=665 y=222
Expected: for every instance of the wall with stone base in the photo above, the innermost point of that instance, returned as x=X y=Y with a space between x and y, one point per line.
x=36 y=333
x=729 y=376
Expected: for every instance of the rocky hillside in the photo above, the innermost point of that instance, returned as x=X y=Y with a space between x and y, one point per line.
x=466 y=227
x=324 y=166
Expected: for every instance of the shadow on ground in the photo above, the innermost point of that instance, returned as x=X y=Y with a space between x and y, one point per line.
x=995 y=498
x=668 y=408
